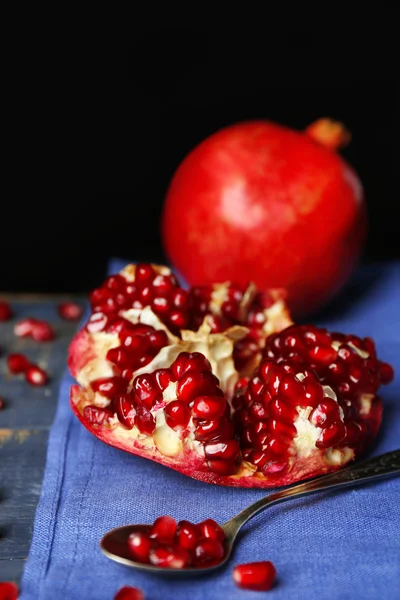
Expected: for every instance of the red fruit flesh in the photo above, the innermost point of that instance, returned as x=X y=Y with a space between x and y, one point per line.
x=129 y=593
x=308 y=406
x=5 y=311
x=257 y=576
x=251 y=197
x=70 y=311
x=17 y=363
x=42 y=332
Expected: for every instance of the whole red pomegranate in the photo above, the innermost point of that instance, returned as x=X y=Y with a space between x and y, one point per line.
x=260 y=202
x=217 y=382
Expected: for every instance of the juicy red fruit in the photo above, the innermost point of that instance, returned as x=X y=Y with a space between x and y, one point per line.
x=17 y=363
x=6 y=312
x=8 y=590
x=70 y=311
x=257 y=185
x=257 y=576
x=36 y=376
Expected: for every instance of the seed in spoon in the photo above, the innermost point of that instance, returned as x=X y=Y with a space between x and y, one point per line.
x=170 y=545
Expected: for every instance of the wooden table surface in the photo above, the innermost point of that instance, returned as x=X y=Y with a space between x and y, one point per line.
x=25 y=422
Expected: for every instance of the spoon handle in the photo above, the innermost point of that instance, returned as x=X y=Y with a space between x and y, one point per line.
x=385 y=465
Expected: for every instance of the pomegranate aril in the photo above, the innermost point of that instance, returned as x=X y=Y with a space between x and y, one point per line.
x=135 y=343
x=129 y=593
x=8 y=590
x=161 y=305
x=163 y=529
x=119 y=356
x=17 y=363
x=109 y=386
x=257 y=411
x=164 y=284
x=278 y=445
x=144 y=420
x=209 y=407
x=325 y=413
x=323 y=355
x=205 y=429
x=146 y=389
x=70 y=311
x=331 y=436
x=222 y=467
x=291 y=389
x=177 y=414
x=139 y=545
x=228 y=450
x=97 y=322
x=158 y=340
x=280 y=428
x=97 y=415
x=197 y=361
x=169 y=557
x=386 y=373
x=282 y=410
x=34 y=375
x=194 y=383
x=257 y=576
x=211 y=530
x=178 y=319
x=124 y=407
x=208 y=552
x=42 y=332
x=24 y=328
x=180 y=299
x=187 y=535
x=6 y=312
x=179 y=363
x=163 y=378
x=144 y=273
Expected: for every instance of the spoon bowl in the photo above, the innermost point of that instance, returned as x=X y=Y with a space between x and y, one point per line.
x=114 y=544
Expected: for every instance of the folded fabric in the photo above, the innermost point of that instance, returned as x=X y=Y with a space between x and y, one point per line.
x=342 y=545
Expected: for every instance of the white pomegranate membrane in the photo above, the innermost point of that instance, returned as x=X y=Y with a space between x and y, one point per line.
x=217 y=383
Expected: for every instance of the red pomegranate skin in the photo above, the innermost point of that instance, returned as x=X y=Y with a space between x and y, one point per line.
x=260 y=202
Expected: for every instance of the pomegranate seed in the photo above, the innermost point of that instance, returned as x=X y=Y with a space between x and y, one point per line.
x=42 y=332
x=208 y=552
x=206 y=429
x=139 y=545
x=325 y=413
x=187 y=535
x=124 y=407
x=290 y=389
x=70 y=311
x=170 y=557
x=158 y=340
x=210 y=529
x=222 y=450
x=163 y=530
x=194 y=383
x=129 y=593
x=144 y=273
x=164 y=284
x=281 y=410
x=34 y=375
x=323 y=354
x=179 y=364
x=97 y=415
x=209 y=407
x=25 y=327
x=257 y=576
x=222 y=467
x=177 y=414
x=8 y=589
x=178 y=319
x=144 y=420
x=136 y=344
x=160 y=305
x=386 y=373
x=331 y=436
x=163 y=378
x=119 y=356
x=180 y=299
x=146 y=389
x=287 y=430
x=17 y=363
x=197 y=361
x=97 y=322
x=5 y=311
x=109 y=386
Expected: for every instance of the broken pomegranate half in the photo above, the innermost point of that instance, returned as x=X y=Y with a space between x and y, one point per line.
x=217 y=383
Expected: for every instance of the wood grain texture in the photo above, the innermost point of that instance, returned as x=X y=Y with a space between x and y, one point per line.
x=25 y=422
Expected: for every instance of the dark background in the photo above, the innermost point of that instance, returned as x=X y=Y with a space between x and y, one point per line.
x=146 y=103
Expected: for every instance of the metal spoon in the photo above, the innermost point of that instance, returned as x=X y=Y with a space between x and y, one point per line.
x=114 y=543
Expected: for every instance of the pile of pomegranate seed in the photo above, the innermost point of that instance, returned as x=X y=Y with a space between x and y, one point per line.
x=256 y=576
x=173 y=545
x=37 y=329
x=70 y=311
x=129 y=593
x=5 y=311
x=150 y=287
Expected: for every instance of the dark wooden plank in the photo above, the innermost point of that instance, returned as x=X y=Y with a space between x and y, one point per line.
x=24 y=425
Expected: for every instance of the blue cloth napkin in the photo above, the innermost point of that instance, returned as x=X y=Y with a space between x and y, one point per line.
x=343 y=545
